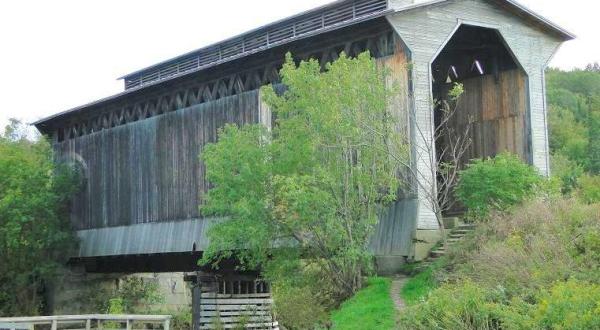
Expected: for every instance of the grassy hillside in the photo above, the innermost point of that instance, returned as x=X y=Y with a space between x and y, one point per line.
x=535 y=267
x=371 y=308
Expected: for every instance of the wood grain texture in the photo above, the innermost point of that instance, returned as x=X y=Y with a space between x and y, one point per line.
x=149 y=170
x=496 y=111
x=396 y=226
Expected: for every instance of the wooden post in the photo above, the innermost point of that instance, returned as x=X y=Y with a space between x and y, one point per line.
x=128 y=325
x=196 y=297
x=54 y=324
x=88 y=324
x=167 y=324
x=100 y=325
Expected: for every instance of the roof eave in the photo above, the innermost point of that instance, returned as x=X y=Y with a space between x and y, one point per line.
x=564 y=33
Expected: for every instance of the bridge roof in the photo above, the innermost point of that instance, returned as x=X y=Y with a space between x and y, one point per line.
x=332 y=16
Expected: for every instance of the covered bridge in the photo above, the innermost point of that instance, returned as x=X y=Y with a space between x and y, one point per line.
x=138 y=150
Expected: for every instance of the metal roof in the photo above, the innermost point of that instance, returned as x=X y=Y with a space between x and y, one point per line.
x=271 y=35
x=338 y=14
x=280 y=32
x=333 y=16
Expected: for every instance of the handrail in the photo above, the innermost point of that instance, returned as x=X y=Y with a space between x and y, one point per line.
x=55 y=320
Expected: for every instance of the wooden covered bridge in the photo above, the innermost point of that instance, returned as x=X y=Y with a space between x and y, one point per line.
x=143 y=180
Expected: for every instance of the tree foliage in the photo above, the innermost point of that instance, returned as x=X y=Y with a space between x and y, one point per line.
x=574 y=116
x=34 y=229
x=304 y=197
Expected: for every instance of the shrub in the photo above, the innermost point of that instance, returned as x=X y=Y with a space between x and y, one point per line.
x=566 y=171
x=298 y=307
x=567 y=305
x=182 y=319
x=589 y=189
x=456 y=306
x=496 y=183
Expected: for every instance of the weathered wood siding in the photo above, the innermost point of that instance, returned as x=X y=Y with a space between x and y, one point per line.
x=498 y=111
x=395 y=230
x=149 y=170
x=426 y=29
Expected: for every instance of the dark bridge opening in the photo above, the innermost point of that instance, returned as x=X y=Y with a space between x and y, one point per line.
x=492 y=112
x=472 y=52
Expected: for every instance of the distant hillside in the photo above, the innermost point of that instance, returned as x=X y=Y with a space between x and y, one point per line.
x=574 y=115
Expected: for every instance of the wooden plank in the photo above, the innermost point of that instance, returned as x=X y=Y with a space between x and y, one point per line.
x=268 y=325
x=239 y=295
x=237 y=319
x=212 y=313
x=240 y=301
x=149 y=170
x=499 y=110
x=212 y=307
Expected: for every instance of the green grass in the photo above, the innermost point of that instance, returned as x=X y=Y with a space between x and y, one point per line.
x=418 y=287
x=371 y=308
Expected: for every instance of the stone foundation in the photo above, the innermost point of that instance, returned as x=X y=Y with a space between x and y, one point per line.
x=389 y=265
x=425 y=240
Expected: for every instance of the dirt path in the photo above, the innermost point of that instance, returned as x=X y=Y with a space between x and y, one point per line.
x=397 y=284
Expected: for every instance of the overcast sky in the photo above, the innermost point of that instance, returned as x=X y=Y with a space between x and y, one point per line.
x=55 y=55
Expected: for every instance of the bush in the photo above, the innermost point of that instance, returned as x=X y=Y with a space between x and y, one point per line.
x=459 y=306
x=589 y=189
x=567 y=305
x=496 y=183
x=298 y=307
x=566 y=171
x=182 y=320
x=130 y=295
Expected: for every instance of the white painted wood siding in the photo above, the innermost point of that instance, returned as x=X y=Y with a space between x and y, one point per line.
x=425 y=30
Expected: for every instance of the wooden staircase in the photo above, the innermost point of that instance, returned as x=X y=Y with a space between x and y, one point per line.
x=454 y=236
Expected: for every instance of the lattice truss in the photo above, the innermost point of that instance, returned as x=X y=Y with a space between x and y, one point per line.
x=198 y=92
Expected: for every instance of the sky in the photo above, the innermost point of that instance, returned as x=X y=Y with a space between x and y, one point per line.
x=55 y=55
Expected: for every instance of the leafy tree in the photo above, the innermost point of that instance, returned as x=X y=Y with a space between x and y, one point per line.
x=589 y=189
x=594 y=135
x=568 y=136
x=566 y=171
x=593 y=67
x=303 y=199
x=574 y=121
x=34 y=229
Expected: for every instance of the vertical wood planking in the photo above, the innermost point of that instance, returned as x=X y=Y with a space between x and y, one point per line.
x=499 y=110
x=150 y=170
x=394 y=231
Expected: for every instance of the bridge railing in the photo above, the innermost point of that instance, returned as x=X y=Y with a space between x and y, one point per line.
x=87 y=322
